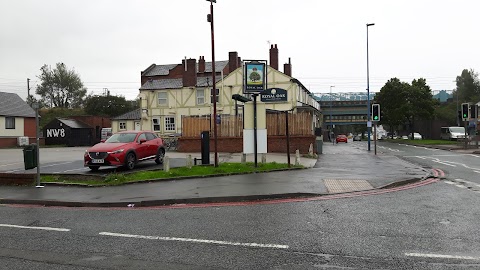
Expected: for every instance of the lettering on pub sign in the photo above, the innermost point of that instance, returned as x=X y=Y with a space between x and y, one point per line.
x=273 y=95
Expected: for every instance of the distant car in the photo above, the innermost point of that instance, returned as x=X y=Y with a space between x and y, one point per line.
x=125 y=148
x=341 y=138
x=405 y=137
x=357 y=137
x=416 y=136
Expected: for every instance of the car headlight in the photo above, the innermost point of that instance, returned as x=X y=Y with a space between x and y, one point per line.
x=116 y=151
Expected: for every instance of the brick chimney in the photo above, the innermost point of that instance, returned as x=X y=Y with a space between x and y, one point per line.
x=239 y=62
x=274 y=56
x=201 y=64
x=189 y=77
x=287 y=68
x=232 y=61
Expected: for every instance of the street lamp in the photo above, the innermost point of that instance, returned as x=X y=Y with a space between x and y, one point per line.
x=369 y=122
x=214 y=90
x=331 y=121
x=36 y=106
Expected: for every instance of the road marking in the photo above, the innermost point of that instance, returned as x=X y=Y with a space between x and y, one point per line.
x=441 y=256
x=195 y=240
x=35 y=228
x=71 y=170
x=477 y=171
x=43 y=166
x=16 y=163
x=467 y=182
x=55 y=164
x=443 y=162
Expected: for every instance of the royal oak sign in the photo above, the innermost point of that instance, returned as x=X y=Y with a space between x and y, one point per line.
x=273 y=95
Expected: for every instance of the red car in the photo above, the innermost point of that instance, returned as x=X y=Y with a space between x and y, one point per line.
x=341 y=138
x=125 y=148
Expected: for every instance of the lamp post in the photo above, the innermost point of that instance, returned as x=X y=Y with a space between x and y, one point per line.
x=458 y=108
x=36 y=106
x=369 y=122
x=214 y=90
x=331 y=120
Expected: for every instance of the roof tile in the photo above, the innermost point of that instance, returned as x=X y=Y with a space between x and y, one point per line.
x=12 y=104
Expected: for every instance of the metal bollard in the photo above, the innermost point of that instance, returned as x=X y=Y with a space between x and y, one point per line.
x=264 y=158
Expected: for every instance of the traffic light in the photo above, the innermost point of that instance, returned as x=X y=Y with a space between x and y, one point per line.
x=473 y=111
x=375 y=112
x=465 y=111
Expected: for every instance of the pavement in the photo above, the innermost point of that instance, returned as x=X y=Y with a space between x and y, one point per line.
x=338 y=169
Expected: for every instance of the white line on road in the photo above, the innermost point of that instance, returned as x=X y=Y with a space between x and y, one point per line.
x=444 y=162
x=441 y=256
x=477 y=171
x=467 y=182
x=55 y=164
x=16 y=163
x=195 y=240
x=35 y=228
x=81 y=169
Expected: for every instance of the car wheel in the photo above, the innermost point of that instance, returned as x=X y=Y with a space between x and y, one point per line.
x=130 y=161
x=160 y=156
x=93 y=168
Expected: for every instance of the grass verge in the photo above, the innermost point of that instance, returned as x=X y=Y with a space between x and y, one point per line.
x=115 y=179
x=425 y=142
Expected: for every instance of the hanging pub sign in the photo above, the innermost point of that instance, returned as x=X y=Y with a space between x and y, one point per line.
x=255 y=77
x=274 y=95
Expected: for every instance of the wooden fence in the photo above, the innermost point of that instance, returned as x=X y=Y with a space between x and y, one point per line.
x=229 y=126
x=232 y=126
x=298 y=124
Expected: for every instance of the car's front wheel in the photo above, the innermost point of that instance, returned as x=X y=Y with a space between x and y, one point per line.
x=130 y=161
x=160 y=156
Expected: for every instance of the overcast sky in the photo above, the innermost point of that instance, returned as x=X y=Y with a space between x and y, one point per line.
x=109 y=42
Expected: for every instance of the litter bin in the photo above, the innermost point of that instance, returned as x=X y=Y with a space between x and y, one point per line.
x=30 y=156
x=319 y=142
x=205 y=147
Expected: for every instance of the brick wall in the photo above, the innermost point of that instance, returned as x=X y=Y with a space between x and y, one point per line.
x=276 y=144
x=12 y=141
x=29 y=126
x=17 y=179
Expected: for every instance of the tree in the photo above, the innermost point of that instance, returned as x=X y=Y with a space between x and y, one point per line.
x=402 y=103
x=60 y=87
x=254 y=76
x=421 y=104
x=392 y=103
x=108 y=105
x=468 y=86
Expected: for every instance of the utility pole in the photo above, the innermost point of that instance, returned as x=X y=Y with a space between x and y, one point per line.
x=28 y=88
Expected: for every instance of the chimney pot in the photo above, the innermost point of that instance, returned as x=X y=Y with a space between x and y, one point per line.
x=189 y=77
x=201 y=64
x=232 y=61
x=274 y=56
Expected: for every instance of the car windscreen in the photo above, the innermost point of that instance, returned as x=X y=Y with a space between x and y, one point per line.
x=457 y=129
x=121 y=138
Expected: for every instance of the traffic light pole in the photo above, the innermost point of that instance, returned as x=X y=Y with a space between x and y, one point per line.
x=466 y=138
x=375 y=137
